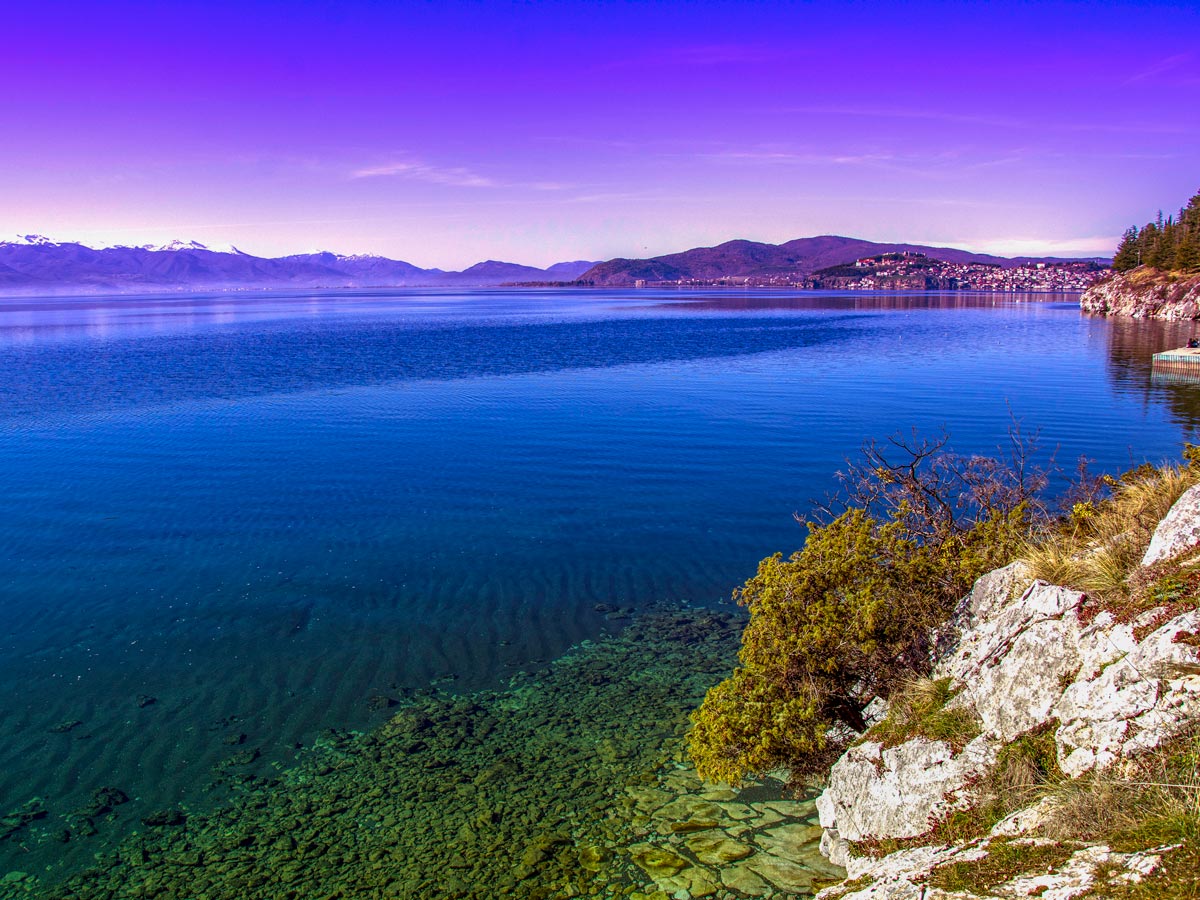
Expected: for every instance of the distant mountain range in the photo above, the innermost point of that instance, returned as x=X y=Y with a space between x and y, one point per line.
x=802 y=257
x=34 y=264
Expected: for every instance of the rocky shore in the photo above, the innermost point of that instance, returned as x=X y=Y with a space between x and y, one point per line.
x=1144 y=293
x=1071 y=712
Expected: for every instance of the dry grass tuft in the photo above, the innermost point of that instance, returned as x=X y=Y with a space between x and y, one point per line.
x=1155 y=800
x=1102 y=542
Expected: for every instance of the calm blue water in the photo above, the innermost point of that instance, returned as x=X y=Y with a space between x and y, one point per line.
x=263 y=511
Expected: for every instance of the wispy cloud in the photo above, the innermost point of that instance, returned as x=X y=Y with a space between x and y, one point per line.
x=785 y=158
x=1159 y=68
x=456 y=176
x=1098 y=245
x=949 y=163
x=627 y=196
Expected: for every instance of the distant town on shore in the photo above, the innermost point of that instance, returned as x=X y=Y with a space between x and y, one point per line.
x=912 y=271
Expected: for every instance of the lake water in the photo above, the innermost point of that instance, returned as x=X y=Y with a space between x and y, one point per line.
x=229 y=522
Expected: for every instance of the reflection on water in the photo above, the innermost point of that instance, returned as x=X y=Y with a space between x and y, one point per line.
x=864 y=300
x=1132 y=344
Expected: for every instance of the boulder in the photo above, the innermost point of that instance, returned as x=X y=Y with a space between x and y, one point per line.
x=899 y=792
x=1178 y=531
x=1002 y=618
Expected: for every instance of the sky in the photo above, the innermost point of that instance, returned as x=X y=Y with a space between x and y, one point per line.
x=449 y=132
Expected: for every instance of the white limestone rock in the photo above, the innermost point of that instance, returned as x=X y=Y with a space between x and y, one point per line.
x=1001 y=621
x=904 y=875
x=1178 y=531
x=899 y=792
x=833 y=848
x=1134 y=704
x=1024 y=820
x=894 y=874
x=1021 y=662
x=1014 y=657
x=991 y=590
x=1017 y=692
x=1102 y=642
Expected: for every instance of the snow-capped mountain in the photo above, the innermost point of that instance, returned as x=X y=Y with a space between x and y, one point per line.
x=29 y=240
x=177 y=245
x=38 y=263
x=40 y=240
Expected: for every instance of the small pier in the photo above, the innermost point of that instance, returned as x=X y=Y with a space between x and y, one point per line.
x=1181 y=366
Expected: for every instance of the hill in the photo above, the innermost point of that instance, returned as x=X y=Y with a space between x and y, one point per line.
x=36 y=264
x=796 y=259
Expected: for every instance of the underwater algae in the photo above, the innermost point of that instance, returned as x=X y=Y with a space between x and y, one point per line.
x=568 y=783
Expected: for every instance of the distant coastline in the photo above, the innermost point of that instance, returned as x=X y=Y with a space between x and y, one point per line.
x=36 y=266
x=899 y=271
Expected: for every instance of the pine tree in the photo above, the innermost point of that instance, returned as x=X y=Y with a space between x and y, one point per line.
x=1126 y=257
x=1187 y=257
x=1187 y=254
x=1191 y=213
x=1162 y=257
x=1147 y=241
x=1170 y=244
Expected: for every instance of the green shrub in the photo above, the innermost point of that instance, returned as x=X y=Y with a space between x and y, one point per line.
x=852 y=614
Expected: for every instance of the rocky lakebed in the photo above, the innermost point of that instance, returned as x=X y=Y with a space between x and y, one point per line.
x=571 y=782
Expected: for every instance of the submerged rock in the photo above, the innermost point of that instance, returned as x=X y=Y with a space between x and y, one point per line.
x=164 y=818
x=103 y=800
x=500 y=793
x=716 y=848
x=12 y=822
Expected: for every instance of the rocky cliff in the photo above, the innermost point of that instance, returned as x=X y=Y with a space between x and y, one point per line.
x=1144 y=293
x=1069 y=720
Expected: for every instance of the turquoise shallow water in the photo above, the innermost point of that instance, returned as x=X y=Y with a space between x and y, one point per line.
x=234 y=521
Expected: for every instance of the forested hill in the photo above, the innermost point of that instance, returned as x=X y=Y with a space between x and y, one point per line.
x=800 y=258
x=1170 y=245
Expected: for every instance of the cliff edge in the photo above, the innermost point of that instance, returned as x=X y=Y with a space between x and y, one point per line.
x=1144 y=293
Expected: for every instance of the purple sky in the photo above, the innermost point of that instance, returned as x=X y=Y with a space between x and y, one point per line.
x=445 y=133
